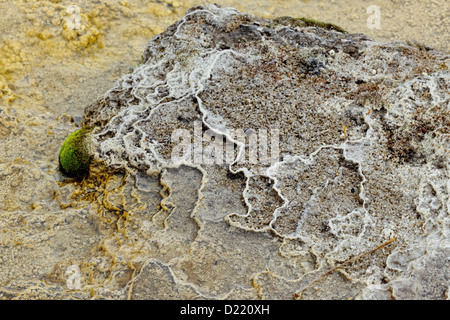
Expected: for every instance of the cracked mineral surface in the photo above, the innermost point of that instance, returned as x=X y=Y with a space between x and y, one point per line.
x=346 y=194
x=363 y=158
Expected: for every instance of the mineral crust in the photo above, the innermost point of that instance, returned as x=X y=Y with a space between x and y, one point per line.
x=336 y=144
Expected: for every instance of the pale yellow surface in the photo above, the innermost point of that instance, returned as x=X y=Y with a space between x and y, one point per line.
x=50 y=71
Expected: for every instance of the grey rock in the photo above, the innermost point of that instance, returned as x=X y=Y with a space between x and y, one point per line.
x=362 y=157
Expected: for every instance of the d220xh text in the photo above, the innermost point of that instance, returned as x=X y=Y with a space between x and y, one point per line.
x=246 y=309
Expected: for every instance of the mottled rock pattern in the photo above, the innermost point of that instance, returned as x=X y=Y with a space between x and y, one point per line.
x=364 y=138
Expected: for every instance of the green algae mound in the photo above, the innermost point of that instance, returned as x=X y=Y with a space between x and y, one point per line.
x=74 y=156
x=305 y=22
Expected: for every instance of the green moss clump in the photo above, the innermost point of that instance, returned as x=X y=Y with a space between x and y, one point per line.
x=74 y=156
x=305 y=22
x=323 y=25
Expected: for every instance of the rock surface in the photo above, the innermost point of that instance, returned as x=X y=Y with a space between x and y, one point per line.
x=358 y=134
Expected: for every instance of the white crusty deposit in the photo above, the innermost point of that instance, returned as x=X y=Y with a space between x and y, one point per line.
x=358 y=135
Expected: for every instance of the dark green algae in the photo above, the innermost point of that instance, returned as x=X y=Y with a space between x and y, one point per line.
x=306 y=22
x=74 y=156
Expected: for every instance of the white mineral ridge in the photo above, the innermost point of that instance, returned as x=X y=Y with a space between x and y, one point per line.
x=363 y=156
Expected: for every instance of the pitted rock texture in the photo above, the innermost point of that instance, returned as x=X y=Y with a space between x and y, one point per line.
x=363 y=157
